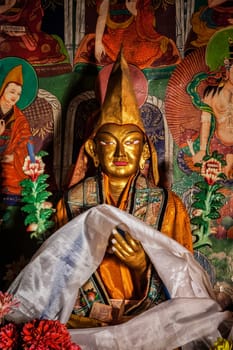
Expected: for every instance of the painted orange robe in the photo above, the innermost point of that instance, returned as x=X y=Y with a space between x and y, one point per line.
x=33 y=45
x=175 y=223
x=143 y=46
x=19 y=136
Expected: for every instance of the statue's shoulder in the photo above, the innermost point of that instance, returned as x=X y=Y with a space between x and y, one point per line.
x=84 y=193
x=176 y=200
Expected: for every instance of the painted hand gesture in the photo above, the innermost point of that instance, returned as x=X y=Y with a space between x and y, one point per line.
x=131 y=6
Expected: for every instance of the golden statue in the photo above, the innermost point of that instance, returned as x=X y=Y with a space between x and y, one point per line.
x=108 y=273
x=120 y=150
x=122 y=153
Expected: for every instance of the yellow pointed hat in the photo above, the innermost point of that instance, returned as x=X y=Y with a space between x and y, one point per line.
x=14 y=76
x=120 y=107
x=120 y=104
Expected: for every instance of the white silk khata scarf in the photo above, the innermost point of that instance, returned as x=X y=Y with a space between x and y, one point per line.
x=47 y=287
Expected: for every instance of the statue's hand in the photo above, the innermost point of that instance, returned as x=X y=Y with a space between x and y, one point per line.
x=129 y=250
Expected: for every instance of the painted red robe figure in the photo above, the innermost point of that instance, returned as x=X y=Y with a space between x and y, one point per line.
x=15 y=133
x=131 y=25
x=21 y=35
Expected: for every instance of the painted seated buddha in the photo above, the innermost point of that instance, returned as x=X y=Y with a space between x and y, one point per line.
x=21 y=36
x=131 y=25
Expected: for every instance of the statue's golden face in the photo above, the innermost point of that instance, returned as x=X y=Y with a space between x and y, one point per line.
x=119 y=149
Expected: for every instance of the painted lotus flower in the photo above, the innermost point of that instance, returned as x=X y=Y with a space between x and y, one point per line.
x=33 y=169
x=34 y=196
x=210 y=170
x=208 y=200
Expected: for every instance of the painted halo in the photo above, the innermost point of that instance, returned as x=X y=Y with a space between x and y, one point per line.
x=138 y=79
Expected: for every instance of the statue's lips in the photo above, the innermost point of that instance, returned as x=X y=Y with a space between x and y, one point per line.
x=120 y=163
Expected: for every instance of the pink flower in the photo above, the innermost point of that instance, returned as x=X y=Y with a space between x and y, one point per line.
x=197 y=212
x=221 y=232
x=7 y=302
x=33 y=170
x=9 y=337
x=46 y=205
x=32 y=227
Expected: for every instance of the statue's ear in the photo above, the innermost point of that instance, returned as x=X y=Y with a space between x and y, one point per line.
x=146 y=151
x=144 y=156
x=90 y=148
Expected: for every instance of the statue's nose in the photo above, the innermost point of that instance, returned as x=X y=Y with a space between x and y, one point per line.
x=120 y=150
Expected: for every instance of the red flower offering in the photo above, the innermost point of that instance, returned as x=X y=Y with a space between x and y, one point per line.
x=9 y=337
x=46 y=335
x=7 y=302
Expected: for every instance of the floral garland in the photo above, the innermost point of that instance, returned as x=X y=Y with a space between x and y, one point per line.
x=33 y=335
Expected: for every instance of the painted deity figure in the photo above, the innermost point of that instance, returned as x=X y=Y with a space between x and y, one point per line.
x=220 y=99
x=127 y=24
x=18 y=89
x=199 y=113
x=110 y=266
x=218 y=14
x=216 y=127
x=210 y=89
x=15 y=133
x=21 y=35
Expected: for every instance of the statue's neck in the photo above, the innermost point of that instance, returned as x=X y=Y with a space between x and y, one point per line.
x=116 y=191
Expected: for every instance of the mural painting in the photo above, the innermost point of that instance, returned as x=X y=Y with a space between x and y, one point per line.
x=131 y=25
x=199 y=114
x=21 y=35
x=18 y=89
x=209 y=17
x=24 y=181
x=32 y=55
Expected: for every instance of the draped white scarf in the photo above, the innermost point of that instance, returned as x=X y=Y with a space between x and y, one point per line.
x=47 y=287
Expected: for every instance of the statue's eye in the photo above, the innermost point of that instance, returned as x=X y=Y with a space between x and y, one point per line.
x=106 y=143
x=132 y=142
